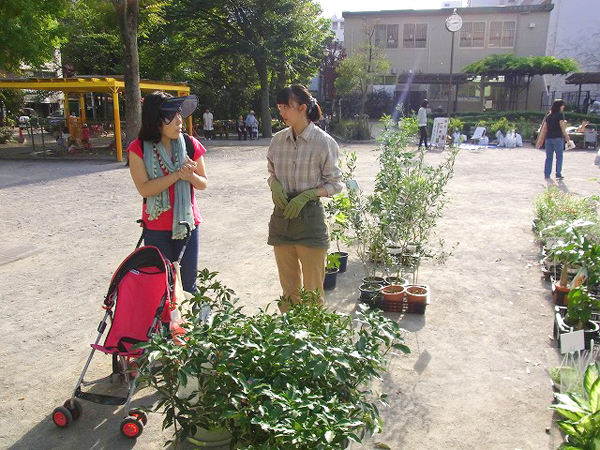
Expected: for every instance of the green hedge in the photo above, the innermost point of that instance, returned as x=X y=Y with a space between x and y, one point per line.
x=352 y=130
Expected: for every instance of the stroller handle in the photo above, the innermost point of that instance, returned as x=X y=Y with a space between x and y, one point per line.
x=140 y=221
x=188 y=234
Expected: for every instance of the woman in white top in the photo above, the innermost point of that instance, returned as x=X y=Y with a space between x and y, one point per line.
x=302 y=164
x=207 y=119
x=422 y=121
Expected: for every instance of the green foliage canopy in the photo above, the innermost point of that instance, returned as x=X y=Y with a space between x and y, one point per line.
x=29 y=32
x=510 y=64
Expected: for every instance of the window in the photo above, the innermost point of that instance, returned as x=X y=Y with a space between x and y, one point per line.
x=386 y=36
x=415 y=35
x=341 y=25
x=472 y=35
x=334 y=25
x=502 y=34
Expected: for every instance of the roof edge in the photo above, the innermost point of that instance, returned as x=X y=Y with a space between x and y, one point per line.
x=464 y=10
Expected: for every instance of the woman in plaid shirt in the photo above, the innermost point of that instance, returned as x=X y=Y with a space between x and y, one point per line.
x=302 y=163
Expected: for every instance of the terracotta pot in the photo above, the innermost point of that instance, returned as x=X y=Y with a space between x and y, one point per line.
x=560 y=294
x=394 y=293
x=416 y=294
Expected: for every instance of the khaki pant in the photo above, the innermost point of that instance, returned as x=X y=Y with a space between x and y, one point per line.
x=298 y=266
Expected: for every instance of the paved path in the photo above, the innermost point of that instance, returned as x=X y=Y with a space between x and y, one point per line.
x=477 y=377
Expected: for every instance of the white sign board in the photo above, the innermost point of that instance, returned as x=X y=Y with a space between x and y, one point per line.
x=572 y=342
x=440 y=130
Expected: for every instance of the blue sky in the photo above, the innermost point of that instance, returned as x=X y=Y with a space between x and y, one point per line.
x=331 y=7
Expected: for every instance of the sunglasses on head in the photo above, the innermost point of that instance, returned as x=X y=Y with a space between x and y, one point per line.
x=184 y=106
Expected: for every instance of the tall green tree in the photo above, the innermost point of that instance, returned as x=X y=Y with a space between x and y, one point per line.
x=127 y=18
x=283 y=38
x=93 y=45
x=359 y=71
x=29 y=32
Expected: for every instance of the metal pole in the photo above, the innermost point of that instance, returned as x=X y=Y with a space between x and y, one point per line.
x=451 y=63
x=117 y=118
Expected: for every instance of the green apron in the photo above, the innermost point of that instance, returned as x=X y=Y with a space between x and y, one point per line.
x=308 y=229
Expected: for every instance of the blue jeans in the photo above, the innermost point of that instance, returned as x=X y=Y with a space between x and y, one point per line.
x=554 y=145
x=170 y=248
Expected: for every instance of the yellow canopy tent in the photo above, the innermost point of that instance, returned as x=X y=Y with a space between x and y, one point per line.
x=85 y=84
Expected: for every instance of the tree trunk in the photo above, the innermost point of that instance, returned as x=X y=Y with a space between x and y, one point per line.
x=127 y=18
x=265 y=114
x=363 y=99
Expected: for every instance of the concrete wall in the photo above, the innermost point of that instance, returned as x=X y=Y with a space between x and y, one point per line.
x=574 y=33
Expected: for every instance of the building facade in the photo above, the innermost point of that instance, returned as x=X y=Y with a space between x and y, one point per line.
x=417 y=42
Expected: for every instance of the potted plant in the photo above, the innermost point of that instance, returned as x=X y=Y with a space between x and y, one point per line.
x=331 y=271
x=298 y=380
x=580 y=412
x=577 y=315
x=408 y=199
x=574 y=248
x=336 y=210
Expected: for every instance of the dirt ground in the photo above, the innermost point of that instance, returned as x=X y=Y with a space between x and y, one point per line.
x=477 y=377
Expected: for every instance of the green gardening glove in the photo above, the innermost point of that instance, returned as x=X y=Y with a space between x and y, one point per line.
x=292 y=210
x=278 y=194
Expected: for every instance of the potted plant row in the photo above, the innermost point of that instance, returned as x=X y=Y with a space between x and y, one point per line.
x=392 y=228
x=298 y=380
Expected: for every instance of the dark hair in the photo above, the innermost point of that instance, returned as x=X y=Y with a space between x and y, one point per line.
x=301 y=95
x=556 y=106
x=425 y=103
x=151 y=119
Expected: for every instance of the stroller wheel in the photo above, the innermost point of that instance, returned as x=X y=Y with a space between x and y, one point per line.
x=62 y=417
x=139 y=414
x=131 y=427
x=76 y=410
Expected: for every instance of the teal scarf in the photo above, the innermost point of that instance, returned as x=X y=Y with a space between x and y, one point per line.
x=158 y=204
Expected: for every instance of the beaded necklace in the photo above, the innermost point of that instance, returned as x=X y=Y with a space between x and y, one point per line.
x=161 y=162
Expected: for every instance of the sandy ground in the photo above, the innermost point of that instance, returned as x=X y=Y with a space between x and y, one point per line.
x=478 y=374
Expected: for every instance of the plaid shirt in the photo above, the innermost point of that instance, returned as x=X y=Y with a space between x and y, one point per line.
x=308 y=162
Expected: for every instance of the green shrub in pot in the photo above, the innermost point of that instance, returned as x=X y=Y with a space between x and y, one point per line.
x=294 y=381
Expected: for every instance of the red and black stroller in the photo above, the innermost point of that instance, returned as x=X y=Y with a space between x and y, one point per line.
x=138 y=304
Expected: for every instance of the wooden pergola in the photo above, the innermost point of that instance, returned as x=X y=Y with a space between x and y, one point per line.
x=583 y=78
x=84 y=84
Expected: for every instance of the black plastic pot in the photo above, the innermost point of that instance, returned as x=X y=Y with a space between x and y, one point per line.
x=399 y=281
x=370 y=293
x=374 y=280
x=330 y=279
x=343 y=260
x=590 y=333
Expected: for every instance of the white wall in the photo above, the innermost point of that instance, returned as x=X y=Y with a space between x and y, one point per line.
x=574 y=32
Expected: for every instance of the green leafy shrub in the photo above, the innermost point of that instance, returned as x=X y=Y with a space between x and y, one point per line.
x=5 y=134
x=581 y=413
x=502 y=125
x=554 y=205
x=294 y=381
x=352 y=130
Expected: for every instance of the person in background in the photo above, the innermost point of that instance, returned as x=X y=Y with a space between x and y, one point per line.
x=241 y=128
x=554 y=135
x=252 y=125
x=422 y=122
x=166 y=176
x=302 y=163
x=85 y=138
x=207 y=124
